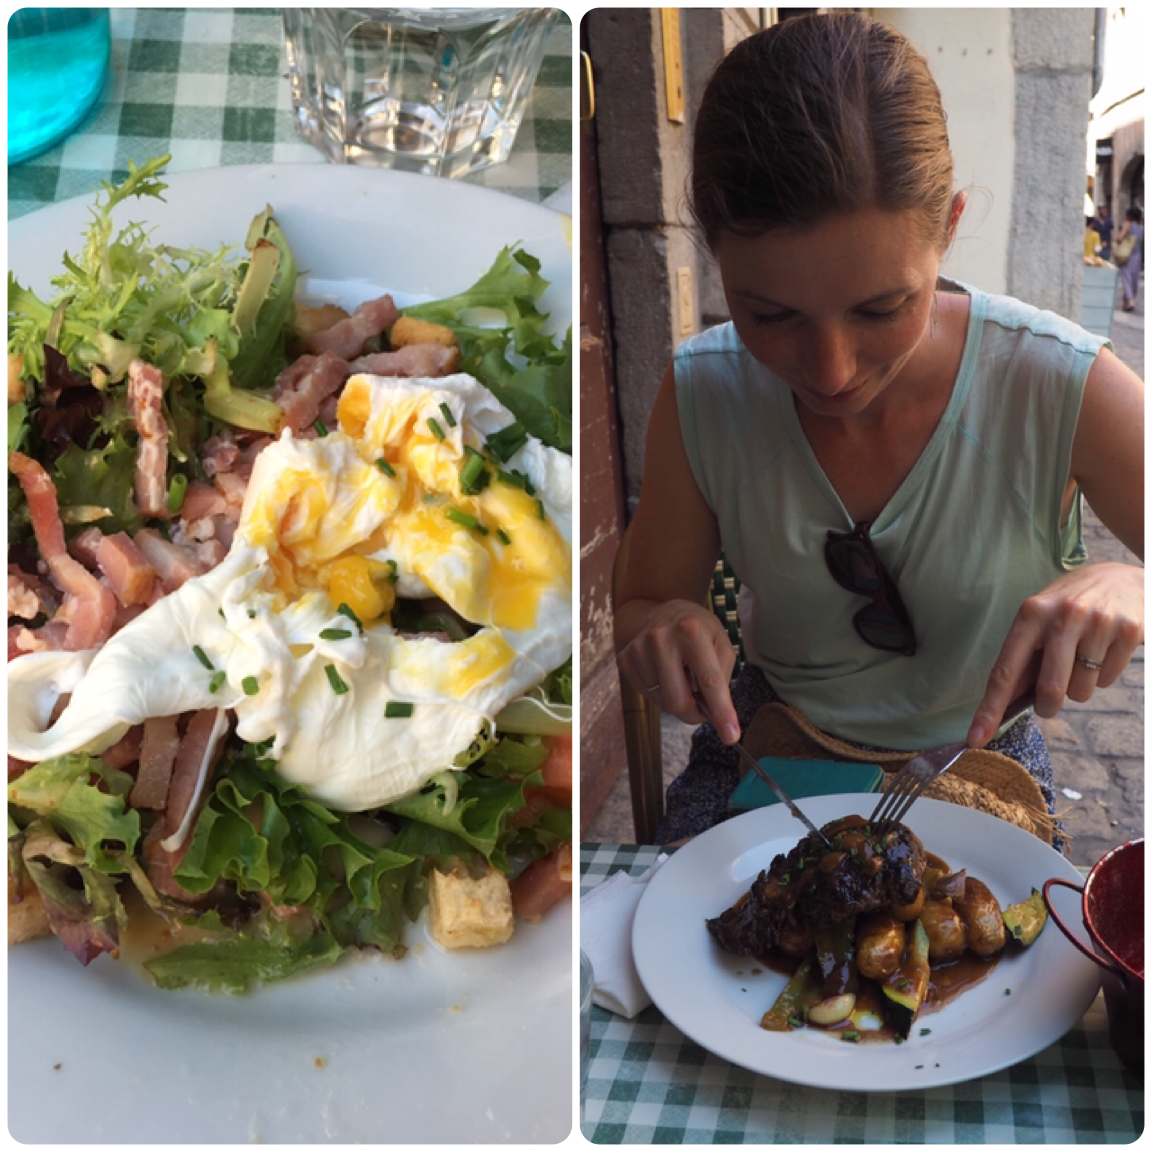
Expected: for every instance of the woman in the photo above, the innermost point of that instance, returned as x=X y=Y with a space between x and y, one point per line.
x=892 y=463
x=1130 y=270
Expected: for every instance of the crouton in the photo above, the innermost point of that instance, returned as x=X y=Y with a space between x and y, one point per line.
x=469 y=912
x=27 y=919
x=409 y=330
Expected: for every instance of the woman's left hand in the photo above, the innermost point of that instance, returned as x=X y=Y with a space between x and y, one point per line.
x=1075 y=636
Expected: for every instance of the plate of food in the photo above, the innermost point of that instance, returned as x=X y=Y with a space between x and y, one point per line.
x=289 y=688
x=810 y=962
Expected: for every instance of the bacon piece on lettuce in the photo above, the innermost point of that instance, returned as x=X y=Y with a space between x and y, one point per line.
x=89 y=607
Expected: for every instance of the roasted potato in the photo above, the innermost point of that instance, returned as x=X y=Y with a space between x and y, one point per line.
x=982 y=918
x=879 y=944
x=909 y=912
x=947 y=936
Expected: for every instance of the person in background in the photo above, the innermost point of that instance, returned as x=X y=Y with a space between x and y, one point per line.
x=893 y=463
x=1130 y=270
x=1102 y=224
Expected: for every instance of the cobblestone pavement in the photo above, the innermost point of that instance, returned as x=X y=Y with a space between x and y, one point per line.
x=1097 y=747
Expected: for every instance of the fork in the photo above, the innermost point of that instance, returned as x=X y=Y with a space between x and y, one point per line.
x=921 y=770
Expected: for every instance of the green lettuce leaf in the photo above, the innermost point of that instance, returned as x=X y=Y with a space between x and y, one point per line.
x=103 y=476
x=470 y=827
x=124 y=297
x=81 y=797
x=527 y=370
x=236 y=964
x=273 y=842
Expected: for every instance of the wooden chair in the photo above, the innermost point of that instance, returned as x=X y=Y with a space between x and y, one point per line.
x=642 y=736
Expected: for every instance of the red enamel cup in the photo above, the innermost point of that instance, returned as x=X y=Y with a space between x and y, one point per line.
x=1113 y=910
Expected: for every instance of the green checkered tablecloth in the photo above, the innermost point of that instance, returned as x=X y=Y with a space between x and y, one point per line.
x=209 y=85
x=650 y=1084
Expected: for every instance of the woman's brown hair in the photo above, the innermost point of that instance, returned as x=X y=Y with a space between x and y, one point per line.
x=816 y=116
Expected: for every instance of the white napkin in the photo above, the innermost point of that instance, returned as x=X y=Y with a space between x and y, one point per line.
x=606 y=914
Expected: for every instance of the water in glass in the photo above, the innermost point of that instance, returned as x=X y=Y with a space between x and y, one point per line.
x=440 y=91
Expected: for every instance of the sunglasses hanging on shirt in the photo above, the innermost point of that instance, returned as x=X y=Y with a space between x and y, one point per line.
x=854 y=564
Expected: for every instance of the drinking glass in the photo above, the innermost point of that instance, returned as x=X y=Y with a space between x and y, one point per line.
x=440 y=91
x=58 y=61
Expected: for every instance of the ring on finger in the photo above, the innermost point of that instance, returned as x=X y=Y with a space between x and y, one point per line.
x=1091 y=665
x=653 y=688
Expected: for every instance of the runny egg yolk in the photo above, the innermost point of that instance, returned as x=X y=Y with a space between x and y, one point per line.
x=494 y=573
x=388 y=484
x=364 y=585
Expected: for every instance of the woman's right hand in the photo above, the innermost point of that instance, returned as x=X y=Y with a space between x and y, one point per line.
x=680 y=641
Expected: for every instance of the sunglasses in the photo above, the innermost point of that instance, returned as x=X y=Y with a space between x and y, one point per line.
x=854 y=564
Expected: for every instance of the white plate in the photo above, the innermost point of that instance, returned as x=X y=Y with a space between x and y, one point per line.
x=1028 y=1002
x=438 y=1047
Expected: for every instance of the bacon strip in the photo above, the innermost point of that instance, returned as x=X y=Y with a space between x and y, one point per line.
x=145 y=396
x=346 y=338
x=89 y=607
x=167 y=842
x=411 y=360
x=543 y=883
x=23 y=600
x=202 y=500
x=200 y=748
x=219 y=454
x=126 y=750
x=172 y=564
x=157 y=757
x=124 y=566
x=303 y=386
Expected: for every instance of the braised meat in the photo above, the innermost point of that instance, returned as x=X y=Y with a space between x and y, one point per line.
x=814 y=886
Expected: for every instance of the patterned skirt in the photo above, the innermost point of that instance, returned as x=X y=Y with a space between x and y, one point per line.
x=698 y=798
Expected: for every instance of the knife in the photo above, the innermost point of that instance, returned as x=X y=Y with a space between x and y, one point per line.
x=751 y=762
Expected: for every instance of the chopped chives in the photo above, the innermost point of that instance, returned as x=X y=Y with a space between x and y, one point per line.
x=394 y=574
x=198 y=652
x=344 y=610
x=470 y=474
x=334 y=634
x=176 y=489
x=321 y=427
x=448 y=415
x=385 y=467
x=458 y=516
x=394 y=709
x=434 y=425
x=216 y=681
x=517 y=480
x=503 y=536
x=540 y=509
x=507 y=442
x=338 y=685
x=250 y=685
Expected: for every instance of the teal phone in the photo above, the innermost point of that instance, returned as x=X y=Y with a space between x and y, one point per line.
x=801 y=778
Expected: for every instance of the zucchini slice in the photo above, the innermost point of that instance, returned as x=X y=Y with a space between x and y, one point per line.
x=1025 y=920
x=905 y=989
x=791 y=1007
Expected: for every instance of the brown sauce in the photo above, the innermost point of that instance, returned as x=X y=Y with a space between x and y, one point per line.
x=150 y=934
x=946 y=982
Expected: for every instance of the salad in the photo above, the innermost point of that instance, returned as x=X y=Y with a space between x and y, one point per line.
x=289 y=604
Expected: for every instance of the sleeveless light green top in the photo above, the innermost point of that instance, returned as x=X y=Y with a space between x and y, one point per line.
x=972 y=531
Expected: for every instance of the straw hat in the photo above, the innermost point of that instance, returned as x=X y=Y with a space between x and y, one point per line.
x=981 y=779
